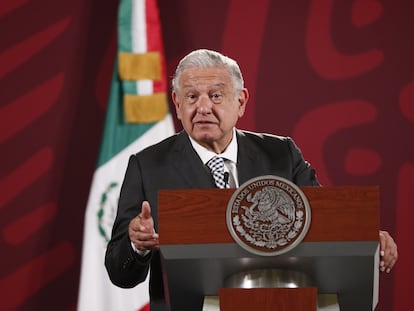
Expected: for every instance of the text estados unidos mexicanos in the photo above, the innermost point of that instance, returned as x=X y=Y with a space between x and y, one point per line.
x=293 y=193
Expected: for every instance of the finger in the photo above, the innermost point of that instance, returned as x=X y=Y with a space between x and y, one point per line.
x=146 y=236
x=383 y=249
x=144 y=241
x=147 y=245
x=140 y=233
x=383 y=242
x=392 y=258
x=145 y=210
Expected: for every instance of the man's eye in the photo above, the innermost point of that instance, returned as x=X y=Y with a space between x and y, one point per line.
x=191 y=97
x=216 y=96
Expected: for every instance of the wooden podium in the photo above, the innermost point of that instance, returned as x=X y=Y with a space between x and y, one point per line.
x=340 y=252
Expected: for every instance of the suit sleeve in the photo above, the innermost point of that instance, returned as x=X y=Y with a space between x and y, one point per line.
x=125 y=267
x=303 y=174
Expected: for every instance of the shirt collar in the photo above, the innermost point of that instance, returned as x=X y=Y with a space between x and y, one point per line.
x=205 y=155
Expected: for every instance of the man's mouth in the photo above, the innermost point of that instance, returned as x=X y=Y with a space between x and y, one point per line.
x=204 y=122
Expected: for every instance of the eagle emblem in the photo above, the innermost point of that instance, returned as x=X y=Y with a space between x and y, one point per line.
x=268 y=215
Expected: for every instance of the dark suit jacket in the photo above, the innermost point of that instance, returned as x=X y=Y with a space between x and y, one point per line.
x=174 y=164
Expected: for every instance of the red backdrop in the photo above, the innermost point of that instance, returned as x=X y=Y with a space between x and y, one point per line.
x=336 y=75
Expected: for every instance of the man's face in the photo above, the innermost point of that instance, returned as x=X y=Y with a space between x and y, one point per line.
x=208 y=106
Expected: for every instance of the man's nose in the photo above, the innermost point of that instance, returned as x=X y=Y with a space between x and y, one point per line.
x=204 y=104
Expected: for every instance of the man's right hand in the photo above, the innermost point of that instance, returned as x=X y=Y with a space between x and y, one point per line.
x=141 y=230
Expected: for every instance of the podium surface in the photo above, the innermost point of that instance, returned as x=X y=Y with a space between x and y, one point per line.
x=339 y=253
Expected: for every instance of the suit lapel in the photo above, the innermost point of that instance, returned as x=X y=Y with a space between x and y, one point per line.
x=248 y=163
x=189 y=165
x=193 y=172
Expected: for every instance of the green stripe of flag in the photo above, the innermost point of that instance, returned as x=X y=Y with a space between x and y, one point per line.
x=125 y=39
x=124 y=26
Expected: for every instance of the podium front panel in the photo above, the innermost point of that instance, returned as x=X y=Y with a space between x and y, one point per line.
x=339 y=254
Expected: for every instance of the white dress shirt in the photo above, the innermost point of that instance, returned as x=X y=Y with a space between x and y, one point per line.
x=229 y=155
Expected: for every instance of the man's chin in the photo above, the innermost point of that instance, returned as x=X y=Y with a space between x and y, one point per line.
x=203 y=136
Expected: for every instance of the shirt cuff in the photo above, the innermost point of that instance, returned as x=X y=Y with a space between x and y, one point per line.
x=142 y=253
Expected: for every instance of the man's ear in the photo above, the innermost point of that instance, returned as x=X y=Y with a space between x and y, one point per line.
x=176 y=101
x=243 y=99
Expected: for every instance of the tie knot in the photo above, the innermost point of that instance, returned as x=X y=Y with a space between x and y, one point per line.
x=216 y=164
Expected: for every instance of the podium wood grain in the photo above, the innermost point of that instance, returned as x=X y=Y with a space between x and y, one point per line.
x=337 y=214
x=268 y=299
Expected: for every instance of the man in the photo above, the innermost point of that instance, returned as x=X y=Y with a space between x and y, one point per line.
x=209 y=97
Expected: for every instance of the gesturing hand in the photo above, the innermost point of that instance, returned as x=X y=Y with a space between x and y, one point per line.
x=388 y=251
x=141 y=229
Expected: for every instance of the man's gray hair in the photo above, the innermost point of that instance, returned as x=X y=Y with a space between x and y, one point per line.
x=204 y=58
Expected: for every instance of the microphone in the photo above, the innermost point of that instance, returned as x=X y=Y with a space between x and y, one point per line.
x=226 y=179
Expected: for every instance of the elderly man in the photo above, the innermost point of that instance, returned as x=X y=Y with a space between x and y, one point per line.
x=209 y=97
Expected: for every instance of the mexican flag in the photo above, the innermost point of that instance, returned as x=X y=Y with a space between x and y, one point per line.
x=137 y=116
